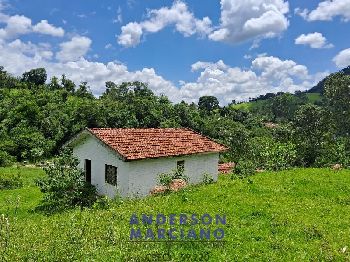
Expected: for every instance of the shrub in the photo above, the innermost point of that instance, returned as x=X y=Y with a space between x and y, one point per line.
x=207 y=179
x=273 y=155
x=65 y=186
x=10 y=181
x=245 y=168
x=333 y=152
x=6 y=159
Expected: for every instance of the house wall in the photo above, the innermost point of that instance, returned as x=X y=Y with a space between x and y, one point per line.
x=100 y=154
x=137 y=178
x=143 y=174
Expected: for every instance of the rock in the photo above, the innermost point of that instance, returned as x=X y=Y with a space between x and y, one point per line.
x=158 y=190
x=337 y=167
x=177 y=184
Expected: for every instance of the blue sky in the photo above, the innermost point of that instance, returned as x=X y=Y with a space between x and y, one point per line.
x=233 y=49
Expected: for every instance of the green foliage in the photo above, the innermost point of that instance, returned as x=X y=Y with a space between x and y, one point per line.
x=64 y=186
x=10 y=180
x=273 y=155
x=245 y=168
x=36 y=76
x=208 y=103
x=6 y=159
x=334 y=152
x=165 y=179
x=36 y=119
x=337 y=93
x=207 y=179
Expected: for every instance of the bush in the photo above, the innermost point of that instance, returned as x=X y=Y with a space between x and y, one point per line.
x=10 y=181
x=6 y=159
x=334 y=152
x=165 y=179
x=272 y=155
x=245 y=168
x=64 y=186
x=207 y=179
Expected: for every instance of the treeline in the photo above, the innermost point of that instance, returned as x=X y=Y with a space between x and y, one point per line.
x=38 y=116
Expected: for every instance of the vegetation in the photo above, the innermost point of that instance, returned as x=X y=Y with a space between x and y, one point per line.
x=11 y=180
x=275 y=131
x=295 y=215
x=65 y=186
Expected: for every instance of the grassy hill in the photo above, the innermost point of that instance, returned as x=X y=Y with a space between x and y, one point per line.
x=295 y=215
x=312 y=98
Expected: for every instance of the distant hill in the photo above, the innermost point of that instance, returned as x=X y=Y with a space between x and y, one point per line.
x=320 y=86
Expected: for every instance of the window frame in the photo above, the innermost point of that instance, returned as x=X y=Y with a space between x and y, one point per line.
x=180 y=166
x=107 y=181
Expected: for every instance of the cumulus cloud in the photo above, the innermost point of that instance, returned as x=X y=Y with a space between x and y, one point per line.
x=18 y=57
x=314 y=40
x=157 y=19
x=342 y=59
x=266 y=74
x=327 y=10
x=44 y=27
x=17 y=25
x=74 y=49
x=246 y=19
x=240 y=20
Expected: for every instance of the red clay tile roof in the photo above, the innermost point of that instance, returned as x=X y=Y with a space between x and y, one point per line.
x=226 y=167
x=141 y=143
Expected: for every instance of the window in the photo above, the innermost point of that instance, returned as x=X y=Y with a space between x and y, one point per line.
x=111 y=175
x=180 y=166
x=87 y=166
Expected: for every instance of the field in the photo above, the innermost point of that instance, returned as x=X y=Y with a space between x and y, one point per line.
x=311 y=97
x=295 y=215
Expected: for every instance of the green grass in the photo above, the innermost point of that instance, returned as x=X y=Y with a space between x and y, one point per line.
x=295 y=215
x=313 y=97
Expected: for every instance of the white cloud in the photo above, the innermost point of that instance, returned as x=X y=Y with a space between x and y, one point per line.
x=44 y=27
x=108 y=46
x=248 y=19
x=131 y=35
x=327 y=10
x=157 y=19
x=342 y=59
x=267 y=74
x=74 y=49
x=17 y=25
x=314 y=40
x=240 y=20
x=119 y=18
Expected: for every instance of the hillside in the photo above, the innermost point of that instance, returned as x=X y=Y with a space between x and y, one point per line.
x=320 y=86
x=311 y=98
x=296 y=215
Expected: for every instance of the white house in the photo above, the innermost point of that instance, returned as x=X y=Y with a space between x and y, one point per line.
x=128 y=161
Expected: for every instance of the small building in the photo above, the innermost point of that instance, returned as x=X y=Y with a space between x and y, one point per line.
x=128 y=161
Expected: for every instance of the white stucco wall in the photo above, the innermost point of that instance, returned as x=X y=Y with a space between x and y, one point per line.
x=137 y=178
x=143 y=174
x=100 y=154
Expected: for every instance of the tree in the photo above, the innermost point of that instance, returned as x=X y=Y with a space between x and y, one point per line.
x=284 y=106
x=337 y=93
x=208 y=103
x=64 y=186
x=83 y=91
x=36 y=76
x=312 y=128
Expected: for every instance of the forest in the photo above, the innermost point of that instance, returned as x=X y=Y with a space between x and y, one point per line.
x=278 y=131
